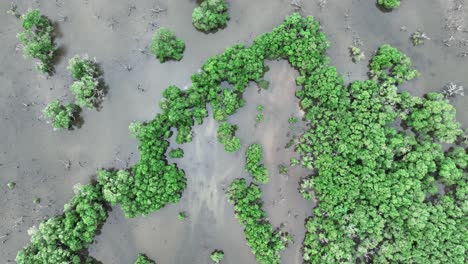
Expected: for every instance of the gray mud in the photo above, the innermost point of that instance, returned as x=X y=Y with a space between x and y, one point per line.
x=48 y=164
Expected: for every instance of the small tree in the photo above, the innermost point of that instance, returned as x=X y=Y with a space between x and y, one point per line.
x=82 y=66
x=37 y=39
x=142 y=259
x=86 y=88
x=210 y=15
x=61 y=116
x=389 y=4
x=217 y=256
x=165 y=46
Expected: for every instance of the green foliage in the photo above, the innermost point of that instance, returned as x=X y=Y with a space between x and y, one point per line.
x=165 y=46
x=356 y=54
x=293 y=120
x=176 y=153
x=227 y=103
x=37 y=200
x=210 y=15
x=253 y=157
x=142 y=259
x=226 y=136
x=263 y=84
x=264 y=242
x=11 y=185
x=86 y=88
x=283 y=169
x=81 y=67
x=37 y=39
x=217 y=255
x=182 y=216
x=259 y=117
x=418 y=38
x=389 y=4
x=62 y=238
x=61 y=116
x=391 y=67
x=377 y=187
x=435 y=116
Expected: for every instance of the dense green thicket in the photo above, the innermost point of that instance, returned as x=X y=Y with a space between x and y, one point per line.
x=142 y=259
x=61 y=116
x=389 y=4
x=61 y=239
x=37 y=39
x=86 y=87
x=210 y=15
x=264 y=242
x=376 y=185
x=226 y=136
x=176 y=153
x=253 y=159
x=165 y=46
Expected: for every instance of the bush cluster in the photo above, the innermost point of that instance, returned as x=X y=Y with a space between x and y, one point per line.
x=264 y=242
x=86 y=87
x=61 y=239
x=37 y=39
x=389 y=4
x=165 y=46
x=253 y=159
x=226 y=136
x=210 y=15
x=142 y=259
x=216 y=256
x=61 y=116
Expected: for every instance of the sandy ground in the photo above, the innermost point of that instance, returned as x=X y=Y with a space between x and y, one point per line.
x=47 y=164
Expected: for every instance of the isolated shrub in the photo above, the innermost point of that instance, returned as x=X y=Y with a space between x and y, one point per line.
x=254 y=156
x=86 y=88
x=389 y=4
x=165 y=46
x=217 y=255
x=210 y=15
x=61 y=116
x=37 y=39
x=142 y=259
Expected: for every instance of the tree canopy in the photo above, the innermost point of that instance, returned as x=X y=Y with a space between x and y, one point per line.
x=210 y=15
x=166 y=46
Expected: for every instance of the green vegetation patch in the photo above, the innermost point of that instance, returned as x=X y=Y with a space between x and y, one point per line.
x=210 y=15
x=226 y=136
x=253 y=159
x=86 y=88
x=216 y=256
x=264 y=242
x=37 y=39
x=61 y=116
x=166 y=46
x=142 y=259
x=389 y=4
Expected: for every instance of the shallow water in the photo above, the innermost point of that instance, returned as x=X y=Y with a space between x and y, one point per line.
x=35 y=157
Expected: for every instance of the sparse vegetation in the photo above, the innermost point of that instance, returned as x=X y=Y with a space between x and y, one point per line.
x=61 y=116
x=356 y=54
x=143 y=259
x=182 y=216
x=37 y=39
x=210 y=15
x=259 y=117
x=389 y=4
x=166 y=46
x=418 y=38
x=11 y=185
x=253 y=157
x=216 y=256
